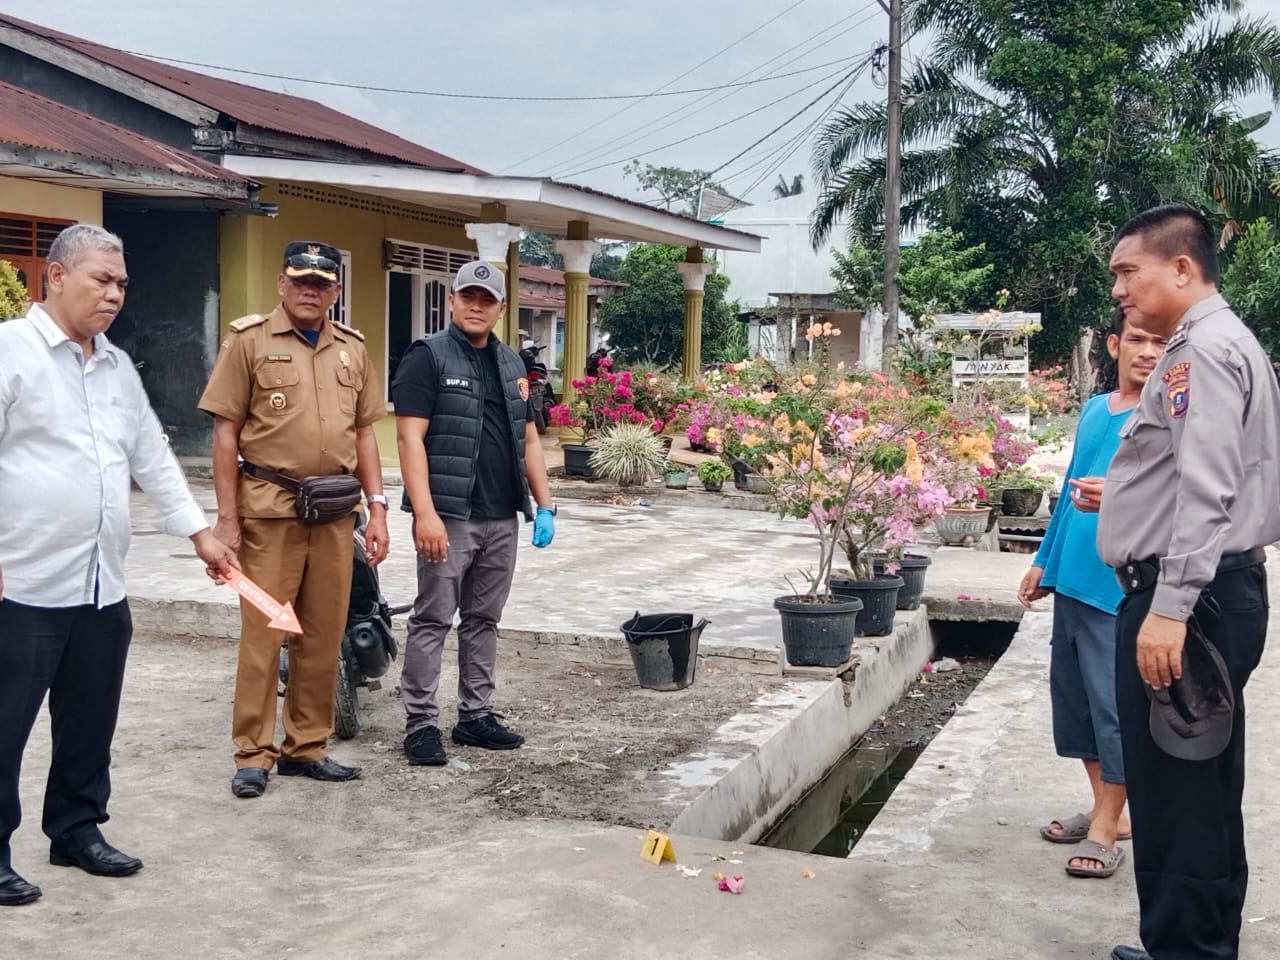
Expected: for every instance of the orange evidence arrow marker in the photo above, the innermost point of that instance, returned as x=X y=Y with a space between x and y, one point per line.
x=281 y=614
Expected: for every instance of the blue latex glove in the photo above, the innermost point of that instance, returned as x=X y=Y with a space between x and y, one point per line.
x=544 y=528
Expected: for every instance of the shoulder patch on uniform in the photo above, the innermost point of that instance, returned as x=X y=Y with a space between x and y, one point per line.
x=1177 y=381
x=244 y=323
x=351 y=330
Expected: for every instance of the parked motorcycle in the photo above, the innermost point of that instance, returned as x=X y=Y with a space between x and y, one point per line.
x=541 y=396
x=593 y=361
x=367 y=647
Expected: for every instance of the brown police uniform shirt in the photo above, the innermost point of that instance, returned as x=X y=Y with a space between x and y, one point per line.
x=1196 y=475
x=299 y=405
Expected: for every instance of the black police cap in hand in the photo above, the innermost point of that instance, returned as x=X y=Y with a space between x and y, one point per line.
x=1192 y=718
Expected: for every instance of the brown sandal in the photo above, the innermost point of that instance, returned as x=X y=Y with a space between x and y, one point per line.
x=1072 y=830
x=1109 y=857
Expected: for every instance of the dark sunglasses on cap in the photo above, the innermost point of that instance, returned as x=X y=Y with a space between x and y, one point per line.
x=311 y=261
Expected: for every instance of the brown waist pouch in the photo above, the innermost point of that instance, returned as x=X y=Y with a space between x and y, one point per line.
x=316 y=499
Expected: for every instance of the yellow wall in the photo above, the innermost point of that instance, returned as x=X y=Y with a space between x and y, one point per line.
x=252 y=249
x=34 y=199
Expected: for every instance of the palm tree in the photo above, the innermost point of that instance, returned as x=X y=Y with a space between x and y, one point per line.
x=793 y=189
x=1077 y=109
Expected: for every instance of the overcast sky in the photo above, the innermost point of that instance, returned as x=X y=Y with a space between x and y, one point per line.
x=538 y=47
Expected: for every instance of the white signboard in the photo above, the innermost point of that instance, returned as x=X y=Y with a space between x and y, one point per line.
x=1010 y=367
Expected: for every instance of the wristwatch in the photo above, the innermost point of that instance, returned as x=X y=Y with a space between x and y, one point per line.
x=376 y=498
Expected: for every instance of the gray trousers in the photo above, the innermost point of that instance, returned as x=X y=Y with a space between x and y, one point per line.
x=474 y=582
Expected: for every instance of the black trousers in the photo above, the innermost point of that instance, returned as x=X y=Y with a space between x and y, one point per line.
x=1188 y=831
x=76 y=655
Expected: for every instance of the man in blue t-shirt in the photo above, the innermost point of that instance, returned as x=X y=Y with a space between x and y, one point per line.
x=1082 y=669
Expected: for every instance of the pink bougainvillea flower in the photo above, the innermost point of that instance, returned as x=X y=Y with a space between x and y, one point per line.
x=732 y=884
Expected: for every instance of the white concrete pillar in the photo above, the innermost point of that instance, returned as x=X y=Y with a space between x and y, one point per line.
x=493 y=239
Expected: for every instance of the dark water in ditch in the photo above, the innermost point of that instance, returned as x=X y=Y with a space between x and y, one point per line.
x=832 y=817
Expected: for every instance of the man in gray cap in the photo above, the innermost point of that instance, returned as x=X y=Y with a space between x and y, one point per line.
x=470 y=456
x=1190 y=499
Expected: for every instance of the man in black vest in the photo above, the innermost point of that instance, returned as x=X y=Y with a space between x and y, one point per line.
x=470 y=457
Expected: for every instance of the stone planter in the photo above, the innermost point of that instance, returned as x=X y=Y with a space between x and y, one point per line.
x=676 y=480
x=1021 y=502
x=962 y=526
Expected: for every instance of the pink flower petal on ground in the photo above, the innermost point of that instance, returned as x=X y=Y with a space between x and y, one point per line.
x=732 y=884
x=963 y=596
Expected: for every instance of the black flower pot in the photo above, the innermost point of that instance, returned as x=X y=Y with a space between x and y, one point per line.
x=912 y=569
x=713 y=486
x=1021 y=502
x=577 y=460
x=817 y=634
x=879 y=601
x=740 y=471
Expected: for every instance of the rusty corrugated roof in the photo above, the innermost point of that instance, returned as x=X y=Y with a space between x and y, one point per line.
x=35 y=121
x=256 y=107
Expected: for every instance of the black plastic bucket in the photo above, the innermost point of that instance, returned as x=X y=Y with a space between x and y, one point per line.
x=664 y=648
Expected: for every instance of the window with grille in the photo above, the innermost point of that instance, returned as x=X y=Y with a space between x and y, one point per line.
x=340 y=312
x=25 y=242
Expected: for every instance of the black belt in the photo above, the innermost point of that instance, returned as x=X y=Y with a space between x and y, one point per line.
x=1139 y=575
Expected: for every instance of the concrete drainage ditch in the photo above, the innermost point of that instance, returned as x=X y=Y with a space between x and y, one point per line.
x=782 y=772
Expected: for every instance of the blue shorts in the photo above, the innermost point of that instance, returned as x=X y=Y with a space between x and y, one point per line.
x=1082 y=685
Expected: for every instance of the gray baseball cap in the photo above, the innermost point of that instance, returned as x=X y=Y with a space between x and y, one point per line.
x=477 y=273
x=1192 y=718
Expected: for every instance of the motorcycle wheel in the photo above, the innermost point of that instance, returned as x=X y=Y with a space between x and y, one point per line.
x=346 y=715
x=539 y=419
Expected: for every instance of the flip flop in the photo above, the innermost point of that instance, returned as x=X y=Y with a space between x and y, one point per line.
x=1072 y=830
x=1109 y=857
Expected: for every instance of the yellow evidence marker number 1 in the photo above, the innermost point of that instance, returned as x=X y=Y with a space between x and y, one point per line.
x=657 y=847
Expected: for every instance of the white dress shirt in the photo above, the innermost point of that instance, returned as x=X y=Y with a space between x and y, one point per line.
x=73 y=431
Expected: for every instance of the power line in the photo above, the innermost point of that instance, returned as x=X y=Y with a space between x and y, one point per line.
x=622 y=140
x=368 y=88
x=702 y=133
x=851 y=75
x=624 y=109
x=800 y=139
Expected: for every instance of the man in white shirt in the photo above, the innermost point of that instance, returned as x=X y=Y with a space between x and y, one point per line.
x=75 y=428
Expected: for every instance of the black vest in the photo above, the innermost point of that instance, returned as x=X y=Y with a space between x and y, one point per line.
x=457 y=418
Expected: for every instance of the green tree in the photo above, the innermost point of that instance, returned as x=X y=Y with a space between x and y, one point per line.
x=539 y=250
x=1251 y=283
x=673 y=185
x=13 y=295
x=1038 y=127
x=937 y=275
x=645 y=322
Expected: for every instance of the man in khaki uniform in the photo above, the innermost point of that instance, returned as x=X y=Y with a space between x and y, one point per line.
x=294 y=394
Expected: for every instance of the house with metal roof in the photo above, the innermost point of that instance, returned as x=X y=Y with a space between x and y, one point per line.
x=405 y=216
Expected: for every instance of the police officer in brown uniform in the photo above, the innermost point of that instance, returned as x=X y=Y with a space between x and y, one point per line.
x=295 y=395
x=1190 y=500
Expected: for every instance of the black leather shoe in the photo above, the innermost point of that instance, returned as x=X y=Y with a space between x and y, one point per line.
x=249 y=782
x=326 y=768
x=1121 y=952
x=101 y=859
x=14 y=891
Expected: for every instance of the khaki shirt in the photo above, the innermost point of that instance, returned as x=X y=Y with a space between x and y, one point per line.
x=1196 y=475
x=299 y=406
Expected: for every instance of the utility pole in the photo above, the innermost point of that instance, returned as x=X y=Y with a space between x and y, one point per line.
x=892 y=184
